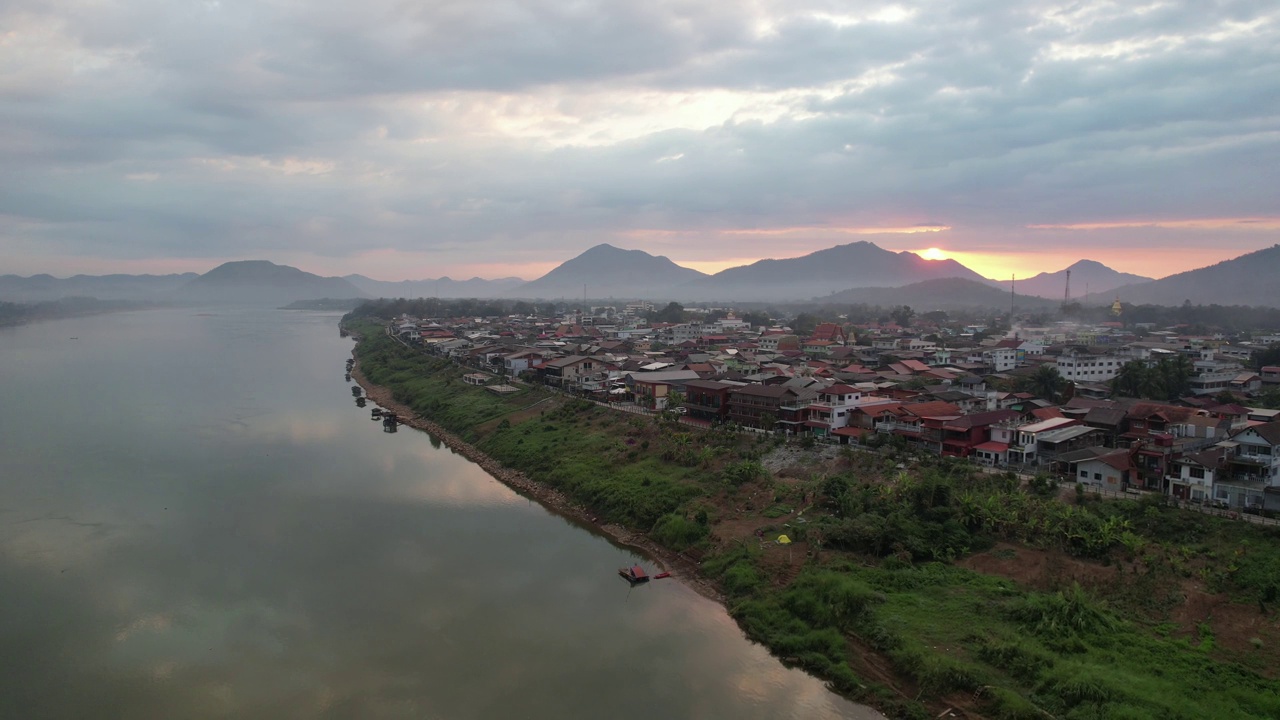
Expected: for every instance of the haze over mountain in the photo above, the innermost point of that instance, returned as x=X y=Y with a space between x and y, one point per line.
x=939 y=294
x=1087 y=276
x=41 y=288
x=444 y=287
x=859 y=264
x=610 y=272
x=260 y=281
x=1252 y=279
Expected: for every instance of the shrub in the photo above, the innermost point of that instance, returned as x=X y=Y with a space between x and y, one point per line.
x=677 y=532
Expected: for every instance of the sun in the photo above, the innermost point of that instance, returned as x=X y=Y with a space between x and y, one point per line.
x=934 y=254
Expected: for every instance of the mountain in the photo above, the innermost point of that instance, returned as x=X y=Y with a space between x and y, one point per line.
x=860 y=264
x=262 y=282
x=1247 y=280
x=939 y=294
x=1087 y=276
x=42 y=288
x=610 y=272
x=443 y=287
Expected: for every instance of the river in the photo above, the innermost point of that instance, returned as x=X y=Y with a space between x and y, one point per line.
x=196 y=521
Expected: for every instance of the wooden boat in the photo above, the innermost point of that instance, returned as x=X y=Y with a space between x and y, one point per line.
x=634 y=574
x=376 y=412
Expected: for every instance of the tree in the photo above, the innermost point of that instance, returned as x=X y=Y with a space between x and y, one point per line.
x=804 y=324
x=1131 y=380
x=672 y=313
x=1268 y=357
x=1046 y=382
x=757 y=318
x=902 y=315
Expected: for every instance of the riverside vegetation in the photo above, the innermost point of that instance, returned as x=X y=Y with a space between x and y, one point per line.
x=879 y=593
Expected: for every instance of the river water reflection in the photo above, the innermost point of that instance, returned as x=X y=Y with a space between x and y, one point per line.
x=197 y=522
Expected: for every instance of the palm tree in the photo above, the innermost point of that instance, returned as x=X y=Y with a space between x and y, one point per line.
x=1131 y=380
x=1046 y=382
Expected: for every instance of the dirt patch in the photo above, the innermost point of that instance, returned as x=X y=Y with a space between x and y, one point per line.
x=1038 y=569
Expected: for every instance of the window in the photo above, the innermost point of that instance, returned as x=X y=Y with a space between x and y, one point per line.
x=1197 y=472
x=1084 y=474
x=1097 y=476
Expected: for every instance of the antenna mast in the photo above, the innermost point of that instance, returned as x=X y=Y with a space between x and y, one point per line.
x=1013 y=295
x=1066 y=295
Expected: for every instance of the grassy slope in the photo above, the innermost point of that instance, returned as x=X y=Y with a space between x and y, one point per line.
x=884 y=580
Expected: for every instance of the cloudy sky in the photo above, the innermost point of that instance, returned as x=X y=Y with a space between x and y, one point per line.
x=501 y=137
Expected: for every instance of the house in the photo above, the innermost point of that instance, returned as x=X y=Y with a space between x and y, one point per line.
x=907 y=421
x=652 y=388
x=1257 y=453
x=708 y=399
x=1192 y=477
x=770 y=407
x=569 y=372
x=961 y=436
x=1109 y=470
x=1024 y=439
x=521 y=360
x=835 y=410
x=1000 y=359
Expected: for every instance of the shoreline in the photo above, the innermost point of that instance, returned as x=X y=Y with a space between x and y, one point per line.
x=682 y=568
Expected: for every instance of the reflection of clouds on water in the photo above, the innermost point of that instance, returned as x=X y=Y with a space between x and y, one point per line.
x=260 y=549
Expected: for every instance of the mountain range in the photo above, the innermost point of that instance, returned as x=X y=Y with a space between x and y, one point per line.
x=605 y=271
x=261 y=282
x=858 y=272
x=859 y=264
x=444 y=287
x=1251 y=279
x=940 y=294
x=43 y=288
x=1087 y=276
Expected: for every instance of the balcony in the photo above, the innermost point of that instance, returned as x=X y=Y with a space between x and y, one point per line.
x=796 y=406
x=1253 y=459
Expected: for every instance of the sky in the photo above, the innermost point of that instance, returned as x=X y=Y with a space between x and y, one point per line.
x=491 y=138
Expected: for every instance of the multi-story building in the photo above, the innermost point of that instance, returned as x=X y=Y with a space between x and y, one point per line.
x=771 y=407
x=1084 y=367
x=708 y=399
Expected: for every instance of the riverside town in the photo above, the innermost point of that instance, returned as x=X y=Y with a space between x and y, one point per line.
x=1060 y=514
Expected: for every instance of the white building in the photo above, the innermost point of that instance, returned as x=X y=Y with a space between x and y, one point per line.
x=1077 y=367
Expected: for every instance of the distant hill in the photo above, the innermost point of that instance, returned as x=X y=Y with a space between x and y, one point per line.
x=940 y=294
x=44 y=288
x=262 y=282
x=860 y=264
x=610 y=272
x=444 y=287
x=1252 y=279
x=1087 y=276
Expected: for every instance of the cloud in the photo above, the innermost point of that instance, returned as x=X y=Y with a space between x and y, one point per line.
x=497 y=130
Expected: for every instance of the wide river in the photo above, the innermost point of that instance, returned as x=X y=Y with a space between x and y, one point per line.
x=196 y=521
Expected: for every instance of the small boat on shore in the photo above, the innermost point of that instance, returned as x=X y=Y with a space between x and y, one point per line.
x=376 y=412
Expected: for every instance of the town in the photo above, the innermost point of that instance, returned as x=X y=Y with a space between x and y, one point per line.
x=1114 y=406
